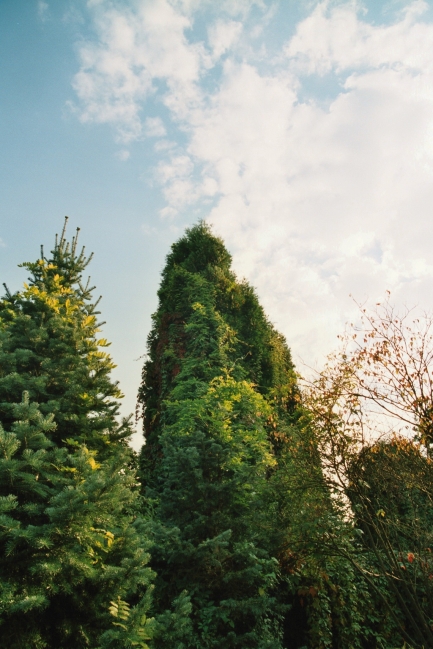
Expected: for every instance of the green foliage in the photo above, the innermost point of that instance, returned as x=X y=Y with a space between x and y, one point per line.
x=132 y=627
x=391 y=489
x=269 y=522
x=49 y=346
x=215 y=459
x=70 y=538
x=246 y=344
x=370 y=412
x=208 y=453
x=243 y=518
x=331 y=603
x=66 y=544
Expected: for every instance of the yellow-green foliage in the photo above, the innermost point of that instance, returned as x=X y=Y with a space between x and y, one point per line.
x=70 y=538
x=50 y=347
x=215 y=366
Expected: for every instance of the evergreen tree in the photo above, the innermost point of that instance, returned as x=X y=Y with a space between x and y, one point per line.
x=209 y=425
x=243 y=518
x=198 y=270
x=49 y=346
x=67 y=543
x=70 y=538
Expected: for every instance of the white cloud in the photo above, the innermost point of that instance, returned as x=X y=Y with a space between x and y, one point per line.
x=168 y=213
x=222 y=35
x=336 y=39
x=123 y=155
x=308 y=195
x=154 y=127
x=315 y=201
x=43 y=9
x=134 y=48
x=175 y=174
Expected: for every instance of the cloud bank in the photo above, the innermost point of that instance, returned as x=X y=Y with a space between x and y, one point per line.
x=314 y=162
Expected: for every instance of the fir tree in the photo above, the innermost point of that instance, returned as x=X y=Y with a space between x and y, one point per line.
x=49 y=346
x=70 y=538
x=67 y=544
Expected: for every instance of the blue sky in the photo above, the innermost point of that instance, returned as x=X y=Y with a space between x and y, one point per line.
x=303 y=131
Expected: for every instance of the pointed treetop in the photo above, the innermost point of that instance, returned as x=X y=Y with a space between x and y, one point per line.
x=64 y=261
x=198 y=249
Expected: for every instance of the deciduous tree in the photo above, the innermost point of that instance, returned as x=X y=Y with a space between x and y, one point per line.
x=371 y=414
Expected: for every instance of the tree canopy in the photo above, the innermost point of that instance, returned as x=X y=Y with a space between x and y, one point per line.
x=264 y=511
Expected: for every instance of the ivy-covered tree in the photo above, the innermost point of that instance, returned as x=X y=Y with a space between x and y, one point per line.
x=198 y=270
x=70 y=538
x=217 y=373
x=243 y=517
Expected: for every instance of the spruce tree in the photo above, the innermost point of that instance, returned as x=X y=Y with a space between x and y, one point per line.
x=49 y=346
x=68 y=545
x=70 y=538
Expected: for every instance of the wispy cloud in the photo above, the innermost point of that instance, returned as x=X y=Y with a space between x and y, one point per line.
x=154 y=127
x=222 y=35
x=123 y=155
x=316 y=199
x=43 y=10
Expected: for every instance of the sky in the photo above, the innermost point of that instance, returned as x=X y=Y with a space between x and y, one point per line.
x=302 y=130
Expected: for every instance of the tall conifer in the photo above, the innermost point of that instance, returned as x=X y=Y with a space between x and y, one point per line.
x=50 y=347
x=215 y=364
x=242 y=516
x=70 y=540
x=198 y=270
